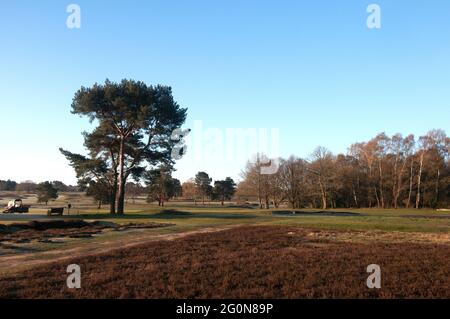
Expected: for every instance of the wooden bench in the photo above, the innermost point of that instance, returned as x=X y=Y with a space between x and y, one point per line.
x=55 y=211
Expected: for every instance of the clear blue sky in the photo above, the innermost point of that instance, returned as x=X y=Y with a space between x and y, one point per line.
x=312 y=69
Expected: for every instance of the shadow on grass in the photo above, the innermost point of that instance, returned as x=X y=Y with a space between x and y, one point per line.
x=206 y=206
x=166 y=214
x=319 y=214
x=8 y=249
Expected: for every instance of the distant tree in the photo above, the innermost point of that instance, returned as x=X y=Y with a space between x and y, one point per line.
x=245 y=192
x=177 y=188
x=45 y=192
x=161 y=185
x=100 y=191
x=224 y=190
x=133 y=191
x=189 y=190
x=433 y=154
x=366 y=155
x=26 y=186
x=11 y=185
x=254 y=178
x=322 y=167
x=292 y=174
x=203 y=184
x=72 y=188
x=8 y=185
x=60 y=186
x=401 y=149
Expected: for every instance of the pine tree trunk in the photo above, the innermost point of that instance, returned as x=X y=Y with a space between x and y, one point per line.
x=121 y=178
x=112 y=204
x=121 y=198
x=112 y=207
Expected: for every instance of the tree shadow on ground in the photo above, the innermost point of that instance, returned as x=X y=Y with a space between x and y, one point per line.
x=319 y=213
x=169 y=214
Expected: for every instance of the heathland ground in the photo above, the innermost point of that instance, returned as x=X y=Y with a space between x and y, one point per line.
x=238 y=251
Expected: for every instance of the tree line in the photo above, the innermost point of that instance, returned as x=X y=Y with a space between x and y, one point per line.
x=160 y=186
x=384 y=172
x=31 y=187
x=201 y=188
x=45 y=191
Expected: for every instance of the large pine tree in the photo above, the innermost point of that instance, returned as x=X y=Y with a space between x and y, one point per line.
x=134 y=130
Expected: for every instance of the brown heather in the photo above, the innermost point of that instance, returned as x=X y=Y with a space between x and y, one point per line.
x=246 y=262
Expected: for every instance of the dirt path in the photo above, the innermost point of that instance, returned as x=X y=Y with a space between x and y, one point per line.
x=18 y=263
